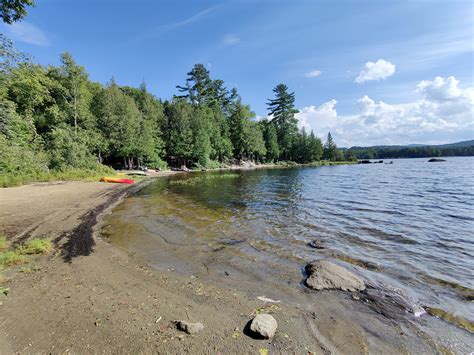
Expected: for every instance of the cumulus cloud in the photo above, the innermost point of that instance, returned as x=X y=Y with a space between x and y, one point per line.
x=230 y=40
x=28 y=33
x=381 y=69
x=443 y=113
x=440 y=89
x=313 y=74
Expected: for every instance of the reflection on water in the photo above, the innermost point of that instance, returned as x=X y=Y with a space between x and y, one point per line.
x=410 y=223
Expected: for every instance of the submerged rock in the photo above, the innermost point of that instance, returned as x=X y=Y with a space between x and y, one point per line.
x=264 y=325
x=325 y=275
x=391 y=300
x=190 y=328
x=316 y=244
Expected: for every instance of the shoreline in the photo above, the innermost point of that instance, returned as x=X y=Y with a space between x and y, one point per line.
x=103 y=298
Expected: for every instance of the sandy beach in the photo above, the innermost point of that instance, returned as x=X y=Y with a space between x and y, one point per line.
x=91 y=297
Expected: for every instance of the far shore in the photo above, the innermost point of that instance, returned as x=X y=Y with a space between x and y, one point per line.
x=90 y=297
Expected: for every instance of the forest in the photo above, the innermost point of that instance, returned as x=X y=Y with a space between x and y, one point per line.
x=391 y=152
x=55 y=119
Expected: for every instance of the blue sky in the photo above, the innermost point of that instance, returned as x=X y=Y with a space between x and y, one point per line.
x=365 y=70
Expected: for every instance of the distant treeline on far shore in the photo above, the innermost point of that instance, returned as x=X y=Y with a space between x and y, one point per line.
x=465 y=148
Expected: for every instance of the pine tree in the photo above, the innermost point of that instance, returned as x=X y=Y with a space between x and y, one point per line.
x=198 y=87
x=330 y=148
x=179 y=134
x=282 y=108
x=315 y=148
x=271 y=140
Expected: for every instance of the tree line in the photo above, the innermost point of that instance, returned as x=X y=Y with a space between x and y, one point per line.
x=407 y=152
x=56 y=118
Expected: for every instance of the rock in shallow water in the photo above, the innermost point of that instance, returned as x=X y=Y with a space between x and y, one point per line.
x=325 y=275
x=190 y=328
x=264 y=325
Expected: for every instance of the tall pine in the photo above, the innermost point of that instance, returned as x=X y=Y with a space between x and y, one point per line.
x=283 y=110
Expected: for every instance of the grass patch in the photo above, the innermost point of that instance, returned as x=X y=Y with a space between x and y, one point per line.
x=17 y=179
x=36 y=246
x=9 y=258
x=3 y=242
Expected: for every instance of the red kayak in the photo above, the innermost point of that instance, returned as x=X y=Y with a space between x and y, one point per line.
x=117 y=180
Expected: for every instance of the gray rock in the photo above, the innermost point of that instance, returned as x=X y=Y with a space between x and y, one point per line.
x=264 y=325
x=190 y=328
x=325 y=275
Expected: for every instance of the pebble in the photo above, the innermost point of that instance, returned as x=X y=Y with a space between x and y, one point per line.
x=190 y=328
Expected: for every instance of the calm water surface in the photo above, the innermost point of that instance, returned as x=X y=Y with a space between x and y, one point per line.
x=409 y=223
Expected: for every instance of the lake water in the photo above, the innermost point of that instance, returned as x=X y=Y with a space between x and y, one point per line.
x=409 y=225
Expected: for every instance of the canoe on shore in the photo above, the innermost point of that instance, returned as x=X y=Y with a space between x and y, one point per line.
x=116 y=180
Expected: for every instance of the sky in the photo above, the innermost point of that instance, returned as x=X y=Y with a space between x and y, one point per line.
x=370 y=72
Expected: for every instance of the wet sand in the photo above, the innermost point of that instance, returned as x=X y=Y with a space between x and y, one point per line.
x=90 y=296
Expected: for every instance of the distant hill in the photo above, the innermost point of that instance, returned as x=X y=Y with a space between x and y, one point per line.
x=464 y=148
x=462 y=144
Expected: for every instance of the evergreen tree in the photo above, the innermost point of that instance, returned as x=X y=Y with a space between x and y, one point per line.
x=282 y=108
x=330 y=149
x=315 y=148
x=255 y=144
x=198 y=88
x=179 y=133
x=271 y=140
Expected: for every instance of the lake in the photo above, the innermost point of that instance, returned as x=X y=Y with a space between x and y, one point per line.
x=408 y=225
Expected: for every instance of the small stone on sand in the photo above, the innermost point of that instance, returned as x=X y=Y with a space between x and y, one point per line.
x=190 y=328
x=264 y=325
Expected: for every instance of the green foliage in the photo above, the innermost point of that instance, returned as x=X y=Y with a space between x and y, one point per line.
x=391 y=152
x=57 y=124
x=282 y=108
x=271 y=140
x=9 y=258
x=69 y=149
x=37 y=246
x=330 y=149
x=16 y=179
x=14 y=10
x=3 y=242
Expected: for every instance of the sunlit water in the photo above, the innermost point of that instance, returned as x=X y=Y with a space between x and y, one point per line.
x=409 y=223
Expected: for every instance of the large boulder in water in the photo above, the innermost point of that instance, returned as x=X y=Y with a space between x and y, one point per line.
x=326 y=275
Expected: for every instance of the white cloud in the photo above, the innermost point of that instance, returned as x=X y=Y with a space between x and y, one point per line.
x=230 y=39
x=28 y=33
x=443 y=113
x=313 y=74
x=381 y=69
x=324 y=116
x=440 y=89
